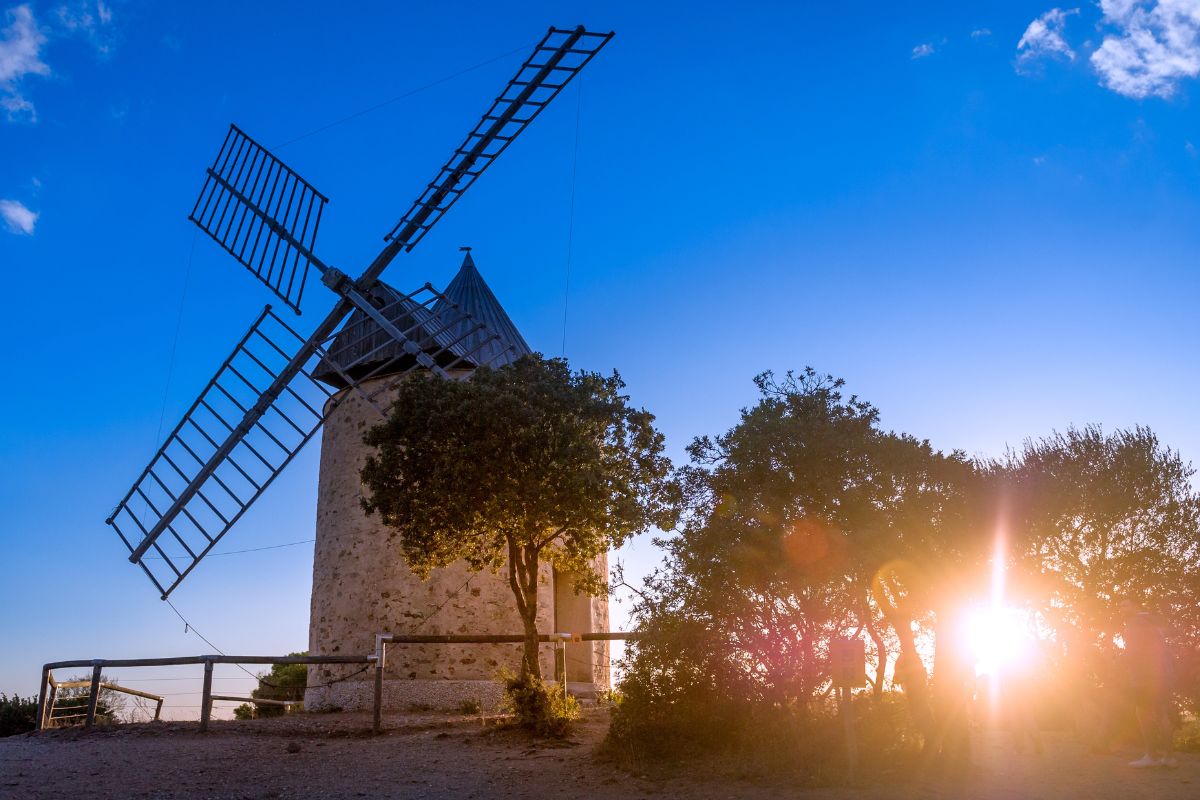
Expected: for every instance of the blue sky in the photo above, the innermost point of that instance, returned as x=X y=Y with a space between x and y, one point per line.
x=983 y=218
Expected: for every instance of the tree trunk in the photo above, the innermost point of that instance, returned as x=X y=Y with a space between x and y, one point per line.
x=881 y=660
x=522 y=579
x=913 y=677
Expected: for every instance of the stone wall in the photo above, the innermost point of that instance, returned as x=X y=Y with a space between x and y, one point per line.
x=362 y=586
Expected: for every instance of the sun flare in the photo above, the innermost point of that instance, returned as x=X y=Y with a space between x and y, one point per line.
x=999 y=640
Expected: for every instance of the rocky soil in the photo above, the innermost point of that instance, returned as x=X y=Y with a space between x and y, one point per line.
x=438 y=756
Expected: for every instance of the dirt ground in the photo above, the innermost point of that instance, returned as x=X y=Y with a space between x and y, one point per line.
x=439 y=756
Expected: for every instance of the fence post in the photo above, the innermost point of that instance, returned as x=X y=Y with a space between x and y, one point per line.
x=41 y=711
x=158 y=709
x=206 y=698
x=380 y=659
x=93 y=694
x=377 y=710
x=51 y=697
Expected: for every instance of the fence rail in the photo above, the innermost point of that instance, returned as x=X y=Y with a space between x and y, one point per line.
x=49 y=686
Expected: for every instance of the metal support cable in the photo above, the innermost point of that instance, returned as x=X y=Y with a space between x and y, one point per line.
x=397 y=98
x=162 y=414
x=249 y=549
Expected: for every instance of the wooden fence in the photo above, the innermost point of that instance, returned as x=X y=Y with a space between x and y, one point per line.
x=49 y=686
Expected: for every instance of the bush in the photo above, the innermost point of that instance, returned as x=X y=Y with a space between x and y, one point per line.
x=283 y=682
x=469 y=707
x=661 y=718
x=17 y=714
x=544 y=709
x=1187 y=737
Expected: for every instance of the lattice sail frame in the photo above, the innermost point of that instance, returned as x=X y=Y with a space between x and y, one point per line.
x=286 y=426
x=253 y=201
x=556 y=59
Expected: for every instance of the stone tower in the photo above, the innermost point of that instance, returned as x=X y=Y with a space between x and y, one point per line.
x=362 y=586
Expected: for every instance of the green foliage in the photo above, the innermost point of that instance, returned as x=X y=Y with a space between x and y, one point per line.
x=17 y=714
x=518 y=466
x=244 y=711
x=542 y=708
x=282 y=682
x=469 y=707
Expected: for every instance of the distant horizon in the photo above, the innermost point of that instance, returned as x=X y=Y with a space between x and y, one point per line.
x=977 y=217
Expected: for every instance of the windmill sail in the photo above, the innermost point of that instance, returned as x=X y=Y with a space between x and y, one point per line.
x=238 y=435
x=554 y=62
x=264 y=404
x=263 y=213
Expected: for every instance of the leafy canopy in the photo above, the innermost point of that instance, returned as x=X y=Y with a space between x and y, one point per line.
x=528 y=453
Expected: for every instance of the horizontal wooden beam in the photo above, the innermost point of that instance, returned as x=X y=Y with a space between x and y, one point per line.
x=176 y=661
x=257 y=701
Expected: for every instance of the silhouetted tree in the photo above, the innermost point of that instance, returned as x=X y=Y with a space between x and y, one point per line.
x=1100 y=518
x=805 y=521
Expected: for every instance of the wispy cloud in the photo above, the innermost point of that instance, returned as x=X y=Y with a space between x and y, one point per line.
x=21 y=44
x=1044 y=38
x=1154 y=46
x=17 y=218
x=922 y=50
x=90 y=19
x=980 y=33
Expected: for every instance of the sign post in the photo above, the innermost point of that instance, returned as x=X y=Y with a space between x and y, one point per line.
x=848 y=669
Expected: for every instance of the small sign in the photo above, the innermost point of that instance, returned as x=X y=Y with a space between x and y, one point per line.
x=848 y=663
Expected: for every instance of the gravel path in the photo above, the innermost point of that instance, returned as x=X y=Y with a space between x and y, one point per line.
x=439 y=757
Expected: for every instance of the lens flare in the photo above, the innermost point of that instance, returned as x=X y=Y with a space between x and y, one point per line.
x=999 y=640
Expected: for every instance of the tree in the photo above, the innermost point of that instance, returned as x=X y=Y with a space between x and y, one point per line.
x=799 y=524
x=1100 y=518
x=282 y=682
x=515 y=467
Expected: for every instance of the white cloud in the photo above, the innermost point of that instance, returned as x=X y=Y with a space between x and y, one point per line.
x=1155 y=45
x=980 y=33
x=21 y=45
x=922 y=50
x=1044 y=38
x=90 y=19
x=17 y=217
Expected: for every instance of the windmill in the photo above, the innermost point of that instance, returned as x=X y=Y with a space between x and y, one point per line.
x=264 y=404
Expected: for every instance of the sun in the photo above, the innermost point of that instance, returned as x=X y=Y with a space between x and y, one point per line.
x=999 y=639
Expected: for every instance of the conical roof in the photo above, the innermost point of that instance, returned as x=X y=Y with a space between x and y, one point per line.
x=465 y=327
x=474 y=298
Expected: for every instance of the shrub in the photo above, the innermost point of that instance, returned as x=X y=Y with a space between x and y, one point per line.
x=655 y=724
x=1187 y=737
x=283 y=682
x=469 y=707
x=17 y=714
x=544 y=709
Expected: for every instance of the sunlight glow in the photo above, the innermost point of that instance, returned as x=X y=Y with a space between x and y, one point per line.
x=998 y=639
